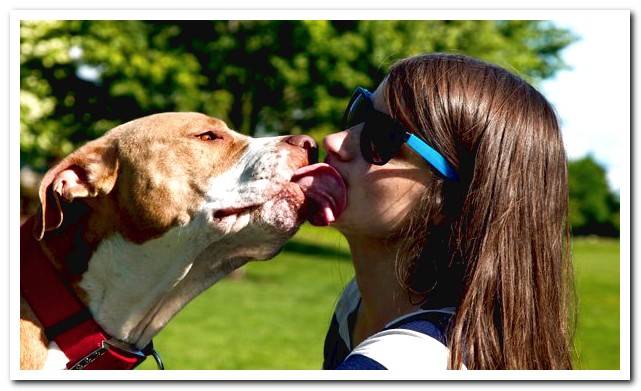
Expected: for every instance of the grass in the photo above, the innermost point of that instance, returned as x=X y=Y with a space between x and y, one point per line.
x=276 y=315
x=596 y=264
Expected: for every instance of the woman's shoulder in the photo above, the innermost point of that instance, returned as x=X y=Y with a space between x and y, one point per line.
x=398 y=349
x=417 y=342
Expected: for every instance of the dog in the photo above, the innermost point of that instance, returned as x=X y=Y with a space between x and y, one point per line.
x=136 y=223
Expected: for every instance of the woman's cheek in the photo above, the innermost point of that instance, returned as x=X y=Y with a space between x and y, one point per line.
x=371 y=207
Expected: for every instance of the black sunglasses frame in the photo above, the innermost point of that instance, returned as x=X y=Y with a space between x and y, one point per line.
x=382 y=136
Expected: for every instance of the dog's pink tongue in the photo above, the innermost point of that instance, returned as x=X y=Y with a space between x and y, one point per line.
x=325 y=192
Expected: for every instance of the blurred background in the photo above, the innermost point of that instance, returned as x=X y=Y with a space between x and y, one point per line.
x=79 y=79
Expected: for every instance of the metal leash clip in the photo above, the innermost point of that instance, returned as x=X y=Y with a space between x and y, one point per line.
x=150 y=351
x=131 y=349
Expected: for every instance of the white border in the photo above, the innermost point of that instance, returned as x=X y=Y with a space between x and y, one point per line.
x=313 y=14
x=315 y=375
x=383 y=14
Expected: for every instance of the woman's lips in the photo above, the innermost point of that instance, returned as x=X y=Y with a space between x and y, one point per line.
x=325 y=192
x=329 y=161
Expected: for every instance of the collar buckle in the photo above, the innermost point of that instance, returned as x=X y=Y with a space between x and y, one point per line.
x=122 y=346
x=89 y=358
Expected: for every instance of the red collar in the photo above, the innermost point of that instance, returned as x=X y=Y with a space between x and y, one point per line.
x=66 y=320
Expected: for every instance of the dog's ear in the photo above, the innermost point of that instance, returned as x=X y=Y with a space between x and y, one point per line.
x=88 y=172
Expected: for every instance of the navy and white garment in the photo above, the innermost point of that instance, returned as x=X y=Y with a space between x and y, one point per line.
x=414 y=342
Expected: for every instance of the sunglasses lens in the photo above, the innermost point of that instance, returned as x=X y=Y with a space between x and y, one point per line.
x=381 y=140
x=356 y=111
x=381 y=137
x=369 y=149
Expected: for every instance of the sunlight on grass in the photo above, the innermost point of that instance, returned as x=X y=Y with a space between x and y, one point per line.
x=276 y=315
x=596 y=263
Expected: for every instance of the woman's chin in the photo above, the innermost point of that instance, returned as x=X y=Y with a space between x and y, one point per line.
x=342 y=224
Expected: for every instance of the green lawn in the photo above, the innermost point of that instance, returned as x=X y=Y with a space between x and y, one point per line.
x=596 y=264
x=276 y=316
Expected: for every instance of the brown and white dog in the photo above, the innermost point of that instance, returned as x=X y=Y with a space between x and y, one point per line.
x=143 y=219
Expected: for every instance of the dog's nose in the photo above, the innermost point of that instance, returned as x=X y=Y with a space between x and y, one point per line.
x=307 y=143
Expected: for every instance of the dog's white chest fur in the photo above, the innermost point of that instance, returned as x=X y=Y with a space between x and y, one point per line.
x=127 y=283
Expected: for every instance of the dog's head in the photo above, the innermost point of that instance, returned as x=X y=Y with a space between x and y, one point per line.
x=171 y=170
x=160 y=208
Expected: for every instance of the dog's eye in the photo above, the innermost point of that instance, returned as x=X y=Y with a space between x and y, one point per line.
x=208 y=136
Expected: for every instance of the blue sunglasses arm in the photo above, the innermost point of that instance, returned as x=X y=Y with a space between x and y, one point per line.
x=434 y=158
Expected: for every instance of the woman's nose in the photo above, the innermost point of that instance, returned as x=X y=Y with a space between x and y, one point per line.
x=340 y=146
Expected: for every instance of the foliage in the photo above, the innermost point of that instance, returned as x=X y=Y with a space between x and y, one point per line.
x=594 y=208
x=78 y=78
x=81 y=78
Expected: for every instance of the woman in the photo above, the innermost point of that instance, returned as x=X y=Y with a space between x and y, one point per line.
x=456 y=219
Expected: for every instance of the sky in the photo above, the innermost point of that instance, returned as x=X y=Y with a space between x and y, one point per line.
x=592 y=98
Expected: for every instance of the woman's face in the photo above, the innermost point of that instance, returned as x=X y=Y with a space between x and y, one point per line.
x=378 y=197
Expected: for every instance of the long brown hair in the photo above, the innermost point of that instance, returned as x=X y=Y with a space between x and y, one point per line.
x=495 y=244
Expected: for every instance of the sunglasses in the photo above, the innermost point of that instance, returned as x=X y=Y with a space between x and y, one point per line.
x=382 y=136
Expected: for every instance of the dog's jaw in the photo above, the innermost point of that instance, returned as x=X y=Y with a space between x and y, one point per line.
x=261 y=180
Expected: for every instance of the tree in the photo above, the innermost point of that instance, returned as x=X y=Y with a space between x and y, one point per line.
x=594 y=209
x=81 y=78
x=78 y=79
